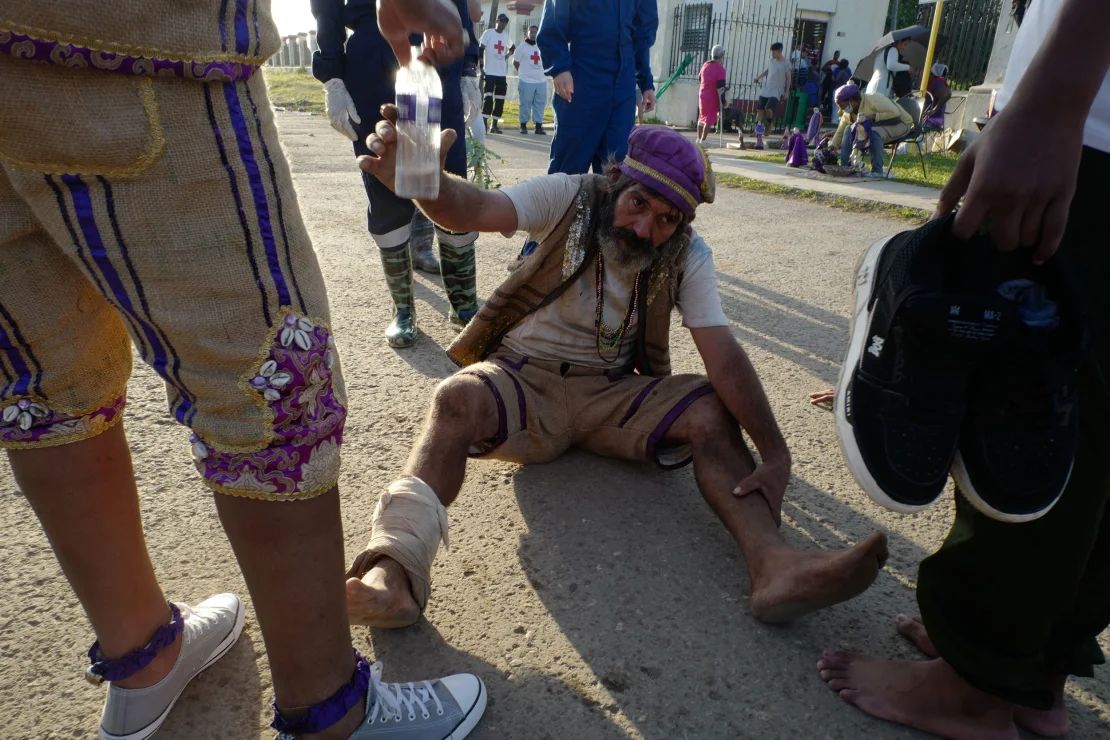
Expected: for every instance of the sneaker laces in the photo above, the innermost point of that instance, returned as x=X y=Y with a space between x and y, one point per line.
x=392 y=699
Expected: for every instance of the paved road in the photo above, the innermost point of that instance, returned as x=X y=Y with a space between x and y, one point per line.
x=596 y=598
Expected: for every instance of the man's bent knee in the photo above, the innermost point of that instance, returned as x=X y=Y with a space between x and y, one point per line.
x=705 y=420
x=464 y=403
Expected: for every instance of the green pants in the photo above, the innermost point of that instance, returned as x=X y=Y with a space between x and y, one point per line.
x=1010 y=605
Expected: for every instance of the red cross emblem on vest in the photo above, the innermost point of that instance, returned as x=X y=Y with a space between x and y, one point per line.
x=499 y=47
x=535 y=57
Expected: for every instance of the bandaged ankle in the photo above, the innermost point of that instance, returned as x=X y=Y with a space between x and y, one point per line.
x=408 y=523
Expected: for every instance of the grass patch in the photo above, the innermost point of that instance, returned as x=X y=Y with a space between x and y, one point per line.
x=511 y=116
x=295 y=90
x=852 y=205
x=907 y=168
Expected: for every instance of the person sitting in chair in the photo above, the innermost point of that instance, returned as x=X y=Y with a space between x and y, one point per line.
x=878 y=121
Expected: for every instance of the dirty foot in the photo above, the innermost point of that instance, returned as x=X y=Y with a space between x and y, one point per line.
x=1045 y=722
x=790 y=583
x=913 y=629
x=382 y=597
x=927 y=695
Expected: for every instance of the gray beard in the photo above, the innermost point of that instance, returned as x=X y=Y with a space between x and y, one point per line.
x=622 y=258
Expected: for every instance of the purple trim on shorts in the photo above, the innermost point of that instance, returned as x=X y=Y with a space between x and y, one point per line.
x=233 y=182
x=186 y=399
x=521 y=405
x=258 y=190
x=23 y=373
x=639 y=399
x=671 y=417
x=48 y=425
x=277 y=193
x=502 y=422
x=295 y=382
x=86 y=219
x=136 y=335
x=242 y=32
x=22 y=46
x=502 y=359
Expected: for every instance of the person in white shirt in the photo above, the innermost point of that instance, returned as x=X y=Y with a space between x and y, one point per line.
x=494 y=49
x=891 y=76
x=532 y=83
x=1009 y=611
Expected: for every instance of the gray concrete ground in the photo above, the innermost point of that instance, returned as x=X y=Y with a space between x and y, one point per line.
x=597 y=599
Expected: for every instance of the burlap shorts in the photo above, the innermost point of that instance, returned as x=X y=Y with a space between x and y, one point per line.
x=160 y=212
x=545 y=408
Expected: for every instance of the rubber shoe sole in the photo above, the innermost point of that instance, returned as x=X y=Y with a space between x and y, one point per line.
x=472 y=716
x=865 y=273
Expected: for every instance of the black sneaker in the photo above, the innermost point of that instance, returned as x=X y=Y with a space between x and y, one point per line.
x=921 y=322
x=524 y=128
x=539 y=130
x=1020 y=434
x=494 y=128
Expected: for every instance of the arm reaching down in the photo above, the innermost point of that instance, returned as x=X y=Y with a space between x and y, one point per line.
x=736 y=383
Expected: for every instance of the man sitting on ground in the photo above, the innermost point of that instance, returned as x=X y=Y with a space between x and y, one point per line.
x=572 y=351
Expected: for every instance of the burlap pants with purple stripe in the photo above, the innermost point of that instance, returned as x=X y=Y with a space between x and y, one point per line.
x=545 y=408
x=160 y=212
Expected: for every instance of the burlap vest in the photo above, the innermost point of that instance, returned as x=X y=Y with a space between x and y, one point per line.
x=560 y=259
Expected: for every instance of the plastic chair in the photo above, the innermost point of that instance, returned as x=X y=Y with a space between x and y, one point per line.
x=912 y=105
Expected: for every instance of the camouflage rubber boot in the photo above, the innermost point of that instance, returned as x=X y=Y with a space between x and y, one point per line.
x=420 y=244
x=397 y=265
x=457 y=267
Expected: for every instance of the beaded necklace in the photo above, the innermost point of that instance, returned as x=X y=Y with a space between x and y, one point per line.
x=608 y=338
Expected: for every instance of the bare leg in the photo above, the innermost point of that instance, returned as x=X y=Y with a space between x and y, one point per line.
x=291 y=554
x=1045 y=722
x=84 y=495
x=786 y=583
x=928 y=695
x=462 y=413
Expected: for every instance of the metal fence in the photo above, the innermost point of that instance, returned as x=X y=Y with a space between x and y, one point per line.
x=966 y=38
x=746 y=30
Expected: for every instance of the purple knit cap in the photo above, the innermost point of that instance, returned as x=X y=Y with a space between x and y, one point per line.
x=671 y=165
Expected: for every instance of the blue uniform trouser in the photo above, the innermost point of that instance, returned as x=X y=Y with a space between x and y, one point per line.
x=590 y=129
x=876 y=149
x=533 y=96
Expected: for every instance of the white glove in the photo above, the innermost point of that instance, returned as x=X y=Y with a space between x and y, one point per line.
x=340 y=108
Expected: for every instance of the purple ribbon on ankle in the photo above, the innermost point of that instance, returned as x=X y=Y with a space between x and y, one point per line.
x=319 y=717
x=125 y=666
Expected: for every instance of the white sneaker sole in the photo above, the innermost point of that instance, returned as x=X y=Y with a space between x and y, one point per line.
x=860 y=329
x=470 y=719
x=219 y=652
x=963 y=480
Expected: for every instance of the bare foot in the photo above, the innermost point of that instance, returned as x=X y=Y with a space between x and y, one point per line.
x=927 y=695
x=382 y=597
x=790 y=583
x=913 y=629
x=1046 y=722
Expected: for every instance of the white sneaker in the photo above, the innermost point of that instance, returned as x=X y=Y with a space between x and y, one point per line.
x=438 y=709
x=211 y=628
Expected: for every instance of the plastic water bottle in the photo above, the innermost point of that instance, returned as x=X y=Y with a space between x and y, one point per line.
x=419 y=106
x=1034 y=309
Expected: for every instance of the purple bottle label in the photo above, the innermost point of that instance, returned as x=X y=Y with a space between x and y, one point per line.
x=406 y=107
x=435 y=110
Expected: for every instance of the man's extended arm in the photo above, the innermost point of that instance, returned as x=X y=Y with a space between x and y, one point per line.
x=460 y=206
x=554 y=37
x=736 y=383
x=329 y=59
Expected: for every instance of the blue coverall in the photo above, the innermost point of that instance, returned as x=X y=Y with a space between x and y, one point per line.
x=605 y=45
x=368 y=68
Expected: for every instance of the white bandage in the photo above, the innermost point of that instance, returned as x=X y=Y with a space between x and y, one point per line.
x=408 y=523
